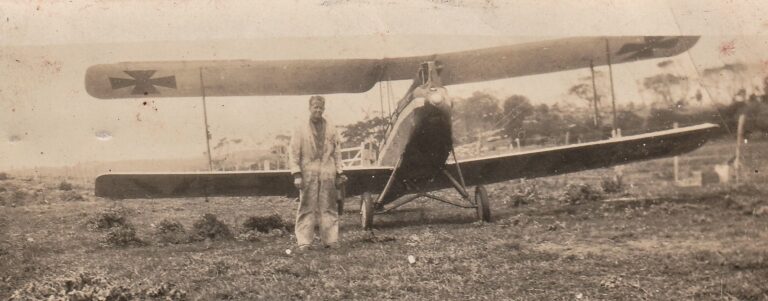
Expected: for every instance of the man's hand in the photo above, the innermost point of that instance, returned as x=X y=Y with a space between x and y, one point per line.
x=341 y=179
x=297 y=181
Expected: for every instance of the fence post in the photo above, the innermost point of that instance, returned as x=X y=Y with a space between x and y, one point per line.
x=677 y=162
x=739 y=142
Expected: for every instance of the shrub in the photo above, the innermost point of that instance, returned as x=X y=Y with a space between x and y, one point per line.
x=19 y=196
x=265 y=224
x=612 y=185
x=65 y=186
x=524 y=194
x=122 y=236
x=71 y=196
x=209 y=227
x=4 y=176
x=167 y=291
x=172 y=232
x=107 y=219
x=580 y=193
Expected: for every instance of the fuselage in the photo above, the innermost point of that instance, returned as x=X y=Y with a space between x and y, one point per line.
x=420 y=141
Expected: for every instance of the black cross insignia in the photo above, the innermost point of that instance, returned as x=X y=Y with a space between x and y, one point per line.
x=647 y=47
x=142 y=82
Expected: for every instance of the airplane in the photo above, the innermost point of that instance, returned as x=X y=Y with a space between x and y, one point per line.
x=417 y=155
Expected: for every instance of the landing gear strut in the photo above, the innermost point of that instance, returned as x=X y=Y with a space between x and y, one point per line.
x=481 y=201
x=366 y=211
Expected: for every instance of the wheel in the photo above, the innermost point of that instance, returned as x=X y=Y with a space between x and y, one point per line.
x=481 y=200
x=366 y=211
x=341 y=195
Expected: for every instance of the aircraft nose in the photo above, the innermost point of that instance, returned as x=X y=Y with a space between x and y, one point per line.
x=438 y=97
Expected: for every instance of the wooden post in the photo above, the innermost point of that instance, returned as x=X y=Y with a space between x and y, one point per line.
x=595 y=97
x=739 y=142
x=205 y=121
x=480 y=143
x=567 y=137
x=610 y=76
x=677 y=162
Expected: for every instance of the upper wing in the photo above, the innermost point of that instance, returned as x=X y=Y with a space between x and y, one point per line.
x=302 y=77
x=578 y=157
x=236 y=183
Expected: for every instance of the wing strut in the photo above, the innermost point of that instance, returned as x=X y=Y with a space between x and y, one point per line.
x=205 y=120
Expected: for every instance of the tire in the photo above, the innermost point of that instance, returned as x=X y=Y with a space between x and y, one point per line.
x=340 y=201
x=481 y=200
x=366 y=211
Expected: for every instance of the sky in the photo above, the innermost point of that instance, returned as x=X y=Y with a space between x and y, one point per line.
x=47 y=118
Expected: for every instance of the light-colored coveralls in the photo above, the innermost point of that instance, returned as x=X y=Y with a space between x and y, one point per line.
x=318 y=168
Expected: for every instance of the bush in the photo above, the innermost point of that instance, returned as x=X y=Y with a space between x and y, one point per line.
x=107 y=219
x=580 y=193
x=65 y=186
x=4 y=176
x=265 y=224
x=71 y=196
x=612 y=185
x=122 y=236
x=209 y=227
x=172 y=232
x=168 y=291
x=526 y=193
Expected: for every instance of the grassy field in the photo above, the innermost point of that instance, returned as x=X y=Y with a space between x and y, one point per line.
x=556 y=238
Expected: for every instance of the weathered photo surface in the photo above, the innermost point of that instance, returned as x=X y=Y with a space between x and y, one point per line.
x=383 y=150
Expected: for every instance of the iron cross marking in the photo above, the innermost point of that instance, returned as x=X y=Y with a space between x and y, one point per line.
x=647 y=47
x=142 y=82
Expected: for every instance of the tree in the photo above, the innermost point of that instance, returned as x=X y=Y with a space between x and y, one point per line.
x=478 y=113
x=591 y=94
x=516 y=109
x=360 y=131
x=629 y=120
x=725 y=81
x=545 y=123
x=662 y=119
x=672 y=89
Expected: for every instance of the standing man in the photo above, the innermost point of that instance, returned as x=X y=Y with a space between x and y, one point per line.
x=315 y=163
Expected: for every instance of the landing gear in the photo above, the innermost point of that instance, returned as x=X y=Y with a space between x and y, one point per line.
x=366 y=210
x=341 y=194
x=481 y=201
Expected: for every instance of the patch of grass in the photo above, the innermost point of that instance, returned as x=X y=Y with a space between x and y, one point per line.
x=88 y=286
x=210 y=227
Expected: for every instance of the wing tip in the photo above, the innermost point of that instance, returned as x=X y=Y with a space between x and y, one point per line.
x=92 y=83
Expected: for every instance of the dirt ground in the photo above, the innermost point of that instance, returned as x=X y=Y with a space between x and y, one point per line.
x=557 y=238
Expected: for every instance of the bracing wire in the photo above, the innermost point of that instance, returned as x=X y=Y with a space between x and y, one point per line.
x=698 y=73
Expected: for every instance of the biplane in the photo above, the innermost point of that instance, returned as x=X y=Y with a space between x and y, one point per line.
x=417 y=155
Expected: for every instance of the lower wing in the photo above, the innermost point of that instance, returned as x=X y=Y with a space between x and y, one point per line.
x=578 y=157
x=236 y=183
